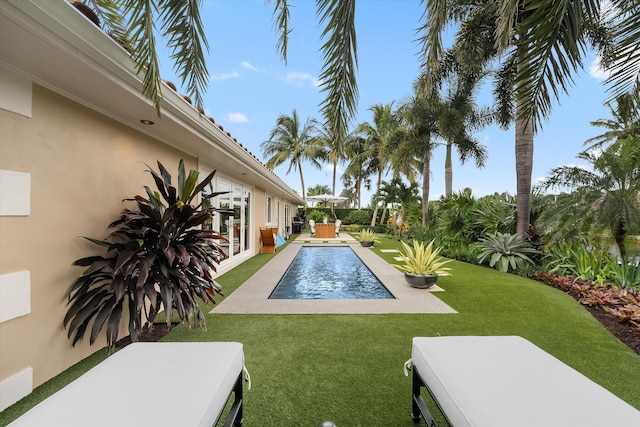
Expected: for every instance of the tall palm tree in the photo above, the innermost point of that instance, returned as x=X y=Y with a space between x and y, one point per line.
x=457 y=115
x=608 y=196
x=293 y=142
x=419 y=115
x=361 y=165
x=625 y=122
x=381 y=135
x=542 y=45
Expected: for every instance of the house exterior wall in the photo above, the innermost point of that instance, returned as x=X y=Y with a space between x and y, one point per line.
x=71 y=149
x=81 y=165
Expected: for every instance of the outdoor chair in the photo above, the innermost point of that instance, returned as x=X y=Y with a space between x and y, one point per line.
x=268 y=240
x=151 y=384
x=506 y=381
x=312 y=226
x=338 y=224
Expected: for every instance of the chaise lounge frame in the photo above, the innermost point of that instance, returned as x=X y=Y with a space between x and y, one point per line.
x=506 y=381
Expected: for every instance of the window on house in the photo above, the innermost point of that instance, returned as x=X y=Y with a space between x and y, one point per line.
x=267 y=210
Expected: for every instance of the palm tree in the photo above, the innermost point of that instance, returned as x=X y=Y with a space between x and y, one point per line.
x=625 y=122
x=457 y=115
x=380 y=135
x=419 y=116
x=542 y=47
x=608 y=196
x=291 y=141
x=360 y=155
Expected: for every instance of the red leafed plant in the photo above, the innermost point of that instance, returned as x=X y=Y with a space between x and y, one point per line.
x=157 y=256
x=622 y=303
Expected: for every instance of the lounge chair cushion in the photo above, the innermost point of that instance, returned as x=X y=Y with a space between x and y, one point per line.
x=506 y=381
x=147 y=384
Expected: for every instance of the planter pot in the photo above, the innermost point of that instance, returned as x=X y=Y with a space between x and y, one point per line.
x=419 y=281
x=366 y=244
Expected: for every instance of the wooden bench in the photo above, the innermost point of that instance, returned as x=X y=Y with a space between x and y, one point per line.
x=508 y=382
x=150 y=384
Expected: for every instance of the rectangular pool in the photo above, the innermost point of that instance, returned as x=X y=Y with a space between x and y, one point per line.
x=329 y=272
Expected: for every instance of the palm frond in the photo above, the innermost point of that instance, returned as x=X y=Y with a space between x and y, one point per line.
x=550 y=46
x=339 y=51
x=281 y=22
x=186 y=38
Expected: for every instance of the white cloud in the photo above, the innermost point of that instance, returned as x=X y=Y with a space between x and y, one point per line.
x=596 y=71
x=249 y=66
x=237 y=118
x=299 y=79
x=225 y=76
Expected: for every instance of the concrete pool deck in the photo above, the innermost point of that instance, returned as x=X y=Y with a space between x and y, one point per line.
x=252 y=297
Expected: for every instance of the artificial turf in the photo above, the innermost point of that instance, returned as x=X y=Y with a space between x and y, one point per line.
x=306 y=369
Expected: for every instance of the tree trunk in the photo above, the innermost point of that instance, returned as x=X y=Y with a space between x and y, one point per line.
x=426 y=171
x=375 y=210
x=304 y=196
x=524 y=167
x=448 y=172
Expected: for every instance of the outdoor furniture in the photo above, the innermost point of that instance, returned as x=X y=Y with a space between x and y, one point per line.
x=325 y=231
x=150 y=384
x=312 y=226
x=338 y=224
x=506 y=381
x=268 y=240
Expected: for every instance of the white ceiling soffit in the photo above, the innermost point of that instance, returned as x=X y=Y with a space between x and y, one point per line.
x=59 y=48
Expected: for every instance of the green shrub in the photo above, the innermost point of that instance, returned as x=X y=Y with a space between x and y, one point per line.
x=505 y=251
x=359 y=217
x=316 y=215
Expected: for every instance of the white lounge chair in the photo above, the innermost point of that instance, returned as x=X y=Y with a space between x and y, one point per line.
x=312 y=226
x=507 y=382
x=150 y=384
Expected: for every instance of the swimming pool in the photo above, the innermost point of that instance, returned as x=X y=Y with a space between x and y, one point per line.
x=329 y=272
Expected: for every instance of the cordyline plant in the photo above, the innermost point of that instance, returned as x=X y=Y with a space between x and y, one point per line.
x=157 y=257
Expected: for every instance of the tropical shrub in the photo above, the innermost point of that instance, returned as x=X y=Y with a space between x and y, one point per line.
x=625 y=275
x=495 y=214
x=423 y=260
x=581 y=262
x=505 y=251
x=367 y=235
x=359 y=217
x=156 y=256
x=317 y=216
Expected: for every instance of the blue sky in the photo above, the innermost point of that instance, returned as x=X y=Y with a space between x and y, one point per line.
x=250 y=86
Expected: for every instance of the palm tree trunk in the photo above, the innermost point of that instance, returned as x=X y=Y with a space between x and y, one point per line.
x=620 y=233
x=375 y=210
x=426 y=171
x=301 y=180
x=448 y=172
x=524 y=167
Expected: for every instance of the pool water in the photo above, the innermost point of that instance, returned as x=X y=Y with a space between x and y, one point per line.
x=329 y=272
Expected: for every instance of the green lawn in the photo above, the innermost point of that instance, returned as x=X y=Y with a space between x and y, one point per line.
x=307 y=369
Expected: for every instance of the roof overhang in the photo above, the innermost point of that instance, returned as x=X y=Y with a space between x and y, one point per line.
x=59 y=48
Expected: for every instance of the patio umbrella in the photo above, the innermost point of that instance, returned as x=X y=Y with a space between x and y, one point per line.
x=326 y=198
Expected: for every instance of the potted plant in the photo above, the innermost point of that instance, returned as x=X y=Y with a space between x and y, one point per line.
x=367 y=237
x=157 y=257
x=422 y=264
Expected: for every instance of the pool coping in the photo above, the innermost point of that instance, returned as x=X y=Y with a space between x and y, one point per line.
x=252 y=296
